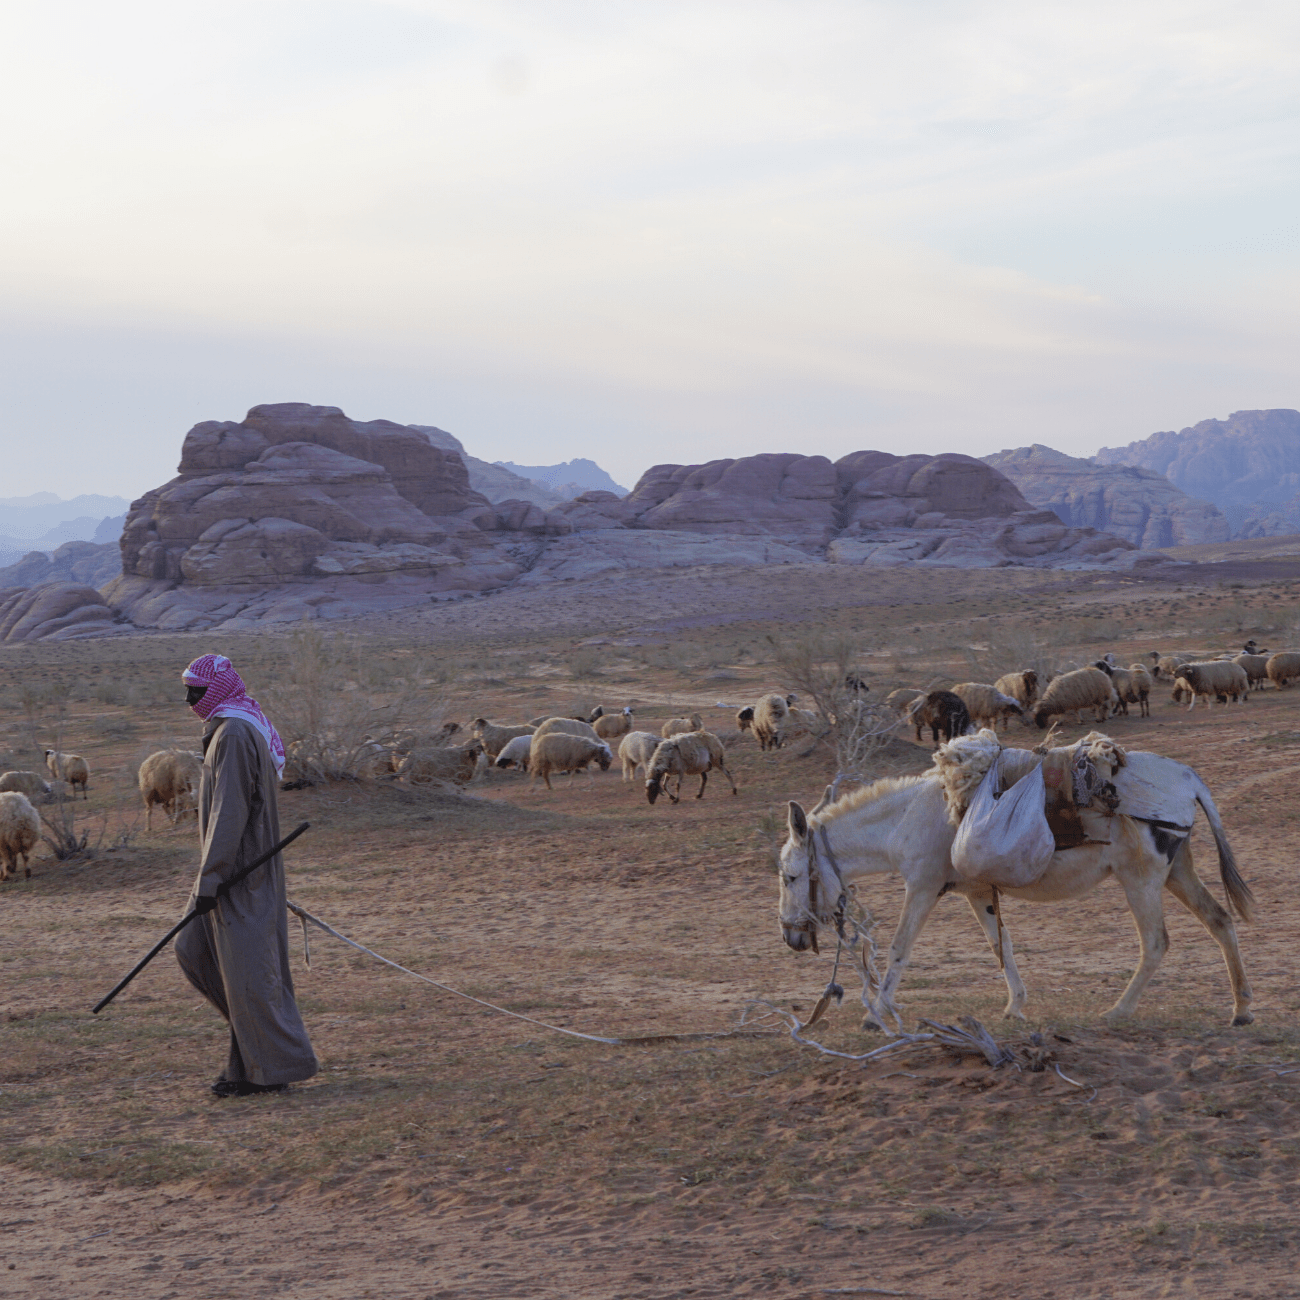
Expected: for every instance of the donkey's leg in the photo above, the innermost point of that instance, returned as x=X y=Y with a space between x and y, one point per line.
x=981 y=904
x=917 y=905
x=1185 y=885
x=1141 y=873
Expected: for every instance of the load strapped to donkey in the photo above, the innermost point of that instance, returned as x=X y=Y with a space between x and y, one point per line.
x=1015 y=808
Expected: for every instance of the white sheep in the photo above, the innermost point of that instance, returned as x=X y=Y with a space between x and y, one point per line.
x=170 y=777
x=636 y=750
x=69 y=767
x=561 y=751
x=1072 y=692
x=1140 y=685
x=769 y=721
x=987 y=705
x=611 y=725
x=515 y=753
x=678 y=726
x=28 y=783
x=1219 y=677
x=567 y=726
x=689 y=753
x=20 y=830
x=1256 y=667
x=1283 y=667
x=494 y=737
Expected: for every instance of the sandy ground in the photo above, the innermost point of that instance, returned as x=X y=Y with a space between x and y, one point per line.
x=447 y=1151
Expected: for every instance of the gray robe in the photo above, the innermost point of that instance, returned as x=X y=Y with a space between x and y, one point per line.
x=237 y=955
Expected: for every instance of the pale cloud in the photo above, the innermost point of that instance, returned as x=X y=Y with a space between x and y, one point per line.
x=646 y=232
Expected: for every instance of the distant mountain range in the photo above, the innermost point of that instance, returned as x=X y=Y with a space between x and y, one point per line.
x=570 y=478
x=43 y=523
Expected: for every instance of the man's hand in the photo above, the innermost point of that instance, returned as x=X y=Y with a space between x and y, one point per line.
x=204 y=903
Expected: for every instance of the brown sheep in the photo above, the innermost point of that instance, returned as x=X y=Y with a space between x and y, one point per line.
x=28 y=783
x=566 y=752
x=20 y=829
x=941 y=711
x=676 y=726
x=455 y=763
x=1021 y=686
x=71 y=768
x=170 y=777
x=691 y=753
x=609 y=726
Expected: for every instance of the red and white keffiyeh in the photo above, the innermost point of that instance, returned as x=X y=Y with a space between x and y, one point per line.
x=227 y=698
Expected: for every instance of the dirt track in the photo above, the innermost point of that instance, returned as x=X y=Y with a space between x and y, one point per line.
x=444 y=1151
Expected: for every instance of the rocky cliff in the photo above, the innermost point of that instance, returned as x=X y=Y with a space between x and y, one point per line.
x=1130 y=501
x=496 y=482
x=84 y=562
x=1248 y=465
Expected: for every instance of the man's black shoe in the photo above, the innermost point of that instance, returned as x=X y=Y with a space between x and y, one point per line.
x=242 y=1088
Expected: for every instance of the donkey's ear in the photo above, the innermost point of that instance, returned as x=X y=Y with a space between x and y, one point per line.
x=797 y=822
x=828 y=796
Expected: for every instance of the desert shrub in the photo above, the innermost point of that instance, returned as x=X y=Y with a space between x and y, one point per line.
x=333 y=703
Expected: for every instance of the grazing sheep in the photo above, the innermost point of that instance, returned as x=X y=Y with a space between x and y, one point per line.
x=561 y=751
x=20 y=829
x=901 y=700
x=1168 y=665
x=516 y=752
x=1072 y=692
x=941 y=711
x=1219 y=677
x=693 y=753
x=170 y=777
x=611 y=725
x=71 y=768
x=801 y=722
x=769 y=721
x=636 y=750
x=1021 y=686
x=455 y=763
x=1256 y=667
x=495 y=738
x=987 y=705
x=567 y=726
x=1283 y=667
x=676 y=726
x=28 y=783
x=1120 y=679
x=1140 y=685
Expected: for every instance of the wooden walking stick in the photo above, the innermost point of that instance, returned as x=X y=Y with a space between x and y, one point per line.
x=189 y=916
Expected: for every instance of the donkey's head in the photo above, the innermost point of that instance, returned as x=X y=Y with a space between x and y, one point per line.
x=803 y=899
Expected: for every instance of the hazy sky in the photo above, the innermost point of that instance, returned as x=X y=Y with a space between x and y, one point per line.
x=642 y=232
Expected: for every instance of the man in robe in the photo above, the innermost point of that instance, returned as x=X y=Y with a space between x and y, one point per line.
x=237 y=952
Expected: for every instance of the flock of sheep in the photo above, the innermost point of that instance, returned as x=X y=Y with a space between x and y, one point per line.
x=1104 y=688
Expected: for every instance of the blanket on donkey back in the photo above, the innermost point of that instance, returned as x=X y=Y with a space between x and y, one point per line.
x=1014 y=808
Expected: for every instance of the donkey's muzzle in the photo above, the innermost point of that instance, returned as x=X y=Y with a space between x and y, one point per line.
x=802 y=938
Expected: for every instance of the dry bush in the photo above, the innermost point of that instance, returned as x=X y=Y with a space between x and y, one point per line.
x=67 y=826
x=816 y=668
x=1014 y=651
x=337 y=701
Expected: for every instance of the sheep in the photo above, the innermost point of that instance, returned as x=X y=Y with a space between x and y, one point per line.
x=1282 y=667
x=28 y=783
x=676 y=726
x=1253 y=648
x=901 y=700
x=456 y=763
x=940 y=711
x=568 y=726
x=1140 y=685
x=1021 y=686
x=611 y=725
x=1219 y=677
x=1168 y=665
x=69 y=767
x=516 y=752
x=169 y=777
x=496 y=738
x=20 y=829
x=694 y=753
x=1121 y=680
x=566 y=752
x=1072 y=692
x=635 y=750
x=1256 y=667
x=769 y=720
x=987 y=705
x=807 y=721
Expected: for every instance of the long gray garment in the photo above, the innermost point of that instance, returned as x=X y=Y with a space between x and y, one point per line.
x=237 y=955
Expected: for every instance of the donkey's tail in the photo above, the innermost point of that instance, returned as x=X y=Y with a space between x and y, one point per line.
x=1238 y=891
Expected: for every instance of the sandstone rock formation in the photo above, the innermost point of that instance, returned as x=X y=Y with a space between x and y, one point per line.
x=496 y=482
x=1137 y=504
x=54 y=611
x=82 y=562
x=1248 y=465
x=298 y=511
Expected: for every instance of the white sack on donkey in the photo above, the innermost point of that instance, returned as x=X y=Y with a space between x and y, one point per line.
x=1005 y=841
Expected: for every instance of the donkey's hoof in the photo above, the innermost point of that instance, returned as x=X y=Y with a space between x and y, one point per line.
x=1014 y=1013
x=1243 y=1018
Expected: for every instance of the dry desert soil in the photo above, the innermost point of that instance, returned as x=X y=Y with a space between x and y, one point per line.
x=446 y=1150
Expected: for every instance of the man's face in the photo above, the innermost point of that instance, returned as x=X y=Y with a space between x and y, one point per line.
x=193 y=694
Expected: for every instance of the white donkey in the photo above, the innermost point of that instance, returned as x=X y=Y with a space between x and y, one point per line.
x=900 y=825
